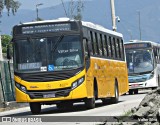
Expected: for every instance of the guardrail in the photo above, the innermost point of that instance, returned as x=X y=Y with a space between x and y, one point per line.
x=7 y=93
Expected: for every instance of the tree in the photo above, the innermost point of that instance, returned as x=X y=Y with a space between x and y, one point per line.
x=74 y=9
x=5 y=41
x=11 y=5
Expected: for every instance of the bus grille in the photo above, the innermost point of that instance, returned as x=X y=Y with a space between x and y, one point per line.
x=49 y=94
x=48 y=76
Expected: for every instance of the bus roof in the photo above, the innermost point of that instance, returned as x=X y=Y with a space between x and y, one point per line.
x=140 y=41
x=100 y=28
x=86 y=24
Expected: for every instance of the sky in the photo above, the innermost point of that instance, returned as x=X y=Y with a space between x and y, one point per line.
x=31 y=4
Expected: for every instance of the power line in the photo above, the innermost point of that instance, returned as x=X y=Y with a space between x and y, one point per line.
x=64 y=8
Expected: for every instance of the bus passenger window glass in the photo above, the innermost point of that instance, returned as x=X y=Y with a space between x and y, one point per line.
x=91 y=46
x=107 y=45
x=110 y=47
x=101 y=41
x=104 y=45
x=86 y=54
x=99 y=44
x=96 y=43
x=117 y=48
x=122 y=49
x=113 y=47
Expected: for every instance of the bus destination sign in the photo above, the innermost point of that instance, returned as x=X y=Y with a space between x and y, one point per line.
x=43 y=28
x=137 y=45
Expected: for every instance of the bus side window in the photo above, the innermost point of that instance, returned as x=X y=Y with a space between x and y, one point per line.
x=122 y=49
x=101 y=41
x=96 y=44
x=86 y=50
x=104 y=45
x=115 y=50
x=99 y=44
x=90 y=43
x=119 y=48
x=109 y=47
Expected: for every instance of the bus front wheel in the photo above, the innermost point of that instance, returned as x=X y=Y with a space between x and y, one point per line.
x=90 y=103
x=130 y=92
x=35 y=107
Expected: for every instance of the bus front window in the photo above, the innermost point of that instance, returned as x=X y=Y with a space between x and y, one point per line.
x=139 y=61
x=48 y=54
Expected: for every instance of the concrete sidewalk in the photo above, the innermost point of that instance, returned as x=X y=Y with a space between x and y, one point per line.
x=11 y=105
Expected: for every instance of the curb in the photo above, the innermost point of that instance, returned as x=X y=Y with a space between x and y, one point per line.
x=12 y=105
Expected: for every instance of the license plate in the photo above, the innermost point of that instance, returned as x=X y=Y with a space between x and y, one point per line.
x=135 y=85
x=49 y=95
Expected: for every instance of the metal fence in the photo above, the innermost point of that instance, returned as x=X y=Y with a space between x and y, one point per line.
x=7 y=92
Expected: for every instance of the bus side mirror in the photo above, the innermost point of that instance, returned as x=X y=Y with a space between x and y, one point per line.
x=9 y=52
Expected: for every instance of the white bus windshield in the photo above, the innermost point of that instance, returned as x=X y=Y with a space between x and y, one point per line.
x=139 y=61
x=48 y=54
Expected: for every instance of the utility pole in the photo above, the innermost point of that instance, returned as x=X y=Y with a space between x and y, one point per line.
x=37 y=10
x=1 y=55
x=113 y=15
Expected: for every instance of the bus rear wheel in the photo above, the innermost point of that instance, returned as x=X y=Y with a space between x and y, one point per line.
x=35 y=107
x=116 y=93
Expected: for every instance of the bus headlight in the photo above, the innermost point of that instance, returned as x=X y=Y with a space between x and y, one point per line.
x=21 y=87
x=77 y=83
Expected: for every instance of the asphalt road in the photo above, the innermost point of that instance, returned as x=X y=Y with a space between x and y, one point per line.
x=126 y=102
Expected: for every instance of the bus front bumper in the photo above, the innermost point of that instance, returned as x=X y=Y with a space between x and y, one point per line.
x=151 y=83
x=51 y=96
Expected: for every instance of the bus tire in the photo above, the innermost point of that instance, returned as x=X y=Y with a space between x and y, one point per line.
x=130 y=92
x=90 y=103
x=136 y=91
x=35 y=107
x=116 y=93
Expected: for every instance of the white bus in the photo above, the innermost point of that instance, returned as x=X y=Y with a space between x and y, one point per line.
x=143 y=62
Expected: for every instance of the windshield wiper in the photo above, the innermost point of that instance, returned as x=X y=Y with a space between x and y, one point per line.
x=57 y=43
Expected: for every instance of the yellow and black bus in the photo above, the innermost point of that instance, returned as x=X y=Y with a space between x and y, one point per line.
x=65 y=61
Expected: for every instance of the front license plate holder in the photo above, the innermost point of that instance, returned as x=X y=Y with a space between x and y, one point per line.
x=49 y=95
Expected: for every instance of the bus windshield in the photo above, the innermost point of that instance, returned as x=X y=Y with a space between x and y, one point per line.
x=139 y=61
x=48 y=53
